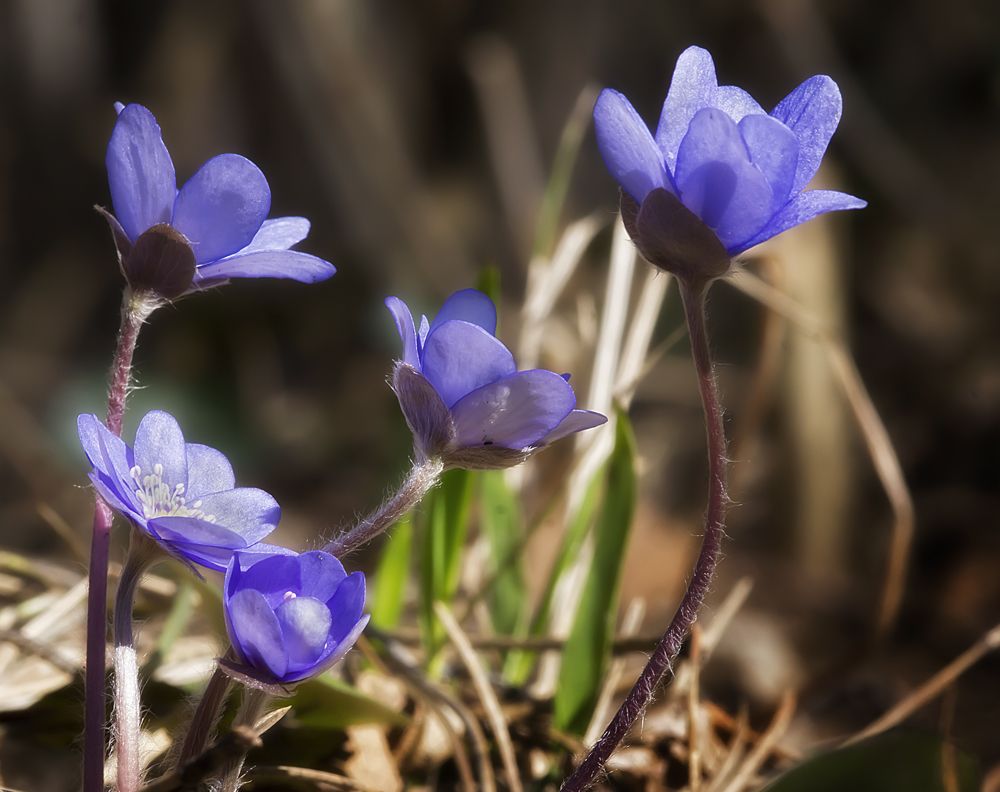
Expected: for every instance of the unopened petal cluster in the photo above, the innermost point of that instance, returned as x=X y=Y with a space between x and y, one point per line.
x=290 y=617
x=462 y=394
x=172 y=241
x=717 y=154
x=181 y=494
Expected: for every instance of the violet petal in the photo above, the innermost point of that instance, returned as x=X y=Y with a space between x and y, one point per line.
x=256 y=632
x=159 y=441
x=305 y=629
x=321 y=574
x=273 y=576
x=208 y=471
x=289 y=264
x=459 y=357
x=279 y=233
x=513 y=412
x=691 y=89
x=735 y=102
x=221 y=208
x=140 y=172
x=346 y=605
x=107 y=454
x=576 y=421
x=804 y=206
x=194 y=531
x=407 y=334
x=258 y=551
x=774 y=150
x=250 y=512
x=468 y=305
x=812 y=111
x=717 y=180
x=629 y=151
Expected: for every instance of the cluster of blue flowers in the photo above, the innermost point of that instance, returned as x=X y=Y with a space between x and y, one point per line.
x=719 y=176
x=289 y=615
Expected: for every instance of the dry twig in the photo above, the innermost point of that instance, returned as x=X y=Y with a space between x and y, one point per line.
x=876 y=437
x=763 y=748
x=485 y=692
x=932 y=687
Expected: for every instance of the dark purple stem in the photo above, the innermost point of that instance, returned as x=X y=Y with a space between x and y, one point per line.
x=135 y=310
x=693 y=297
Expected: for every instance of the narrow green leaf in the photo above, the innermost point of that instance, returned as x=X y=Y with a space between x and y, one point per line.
x=897 y=761
x=391 y=575
x=173 y=628
x=501 y=522
x=328 y=703
x=588 y=648
x=489 y=283
x=445 y=528
x=520 y=663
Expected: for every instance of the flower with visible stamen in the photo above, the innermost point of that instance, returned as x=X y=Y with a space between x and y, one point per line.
x=720 y=175
x=290 y=617
x=181 y=494
x=463 y=397
x=171 y=242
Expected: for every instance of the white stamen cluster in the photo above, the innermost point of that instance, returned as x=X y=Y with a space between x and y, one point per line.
x=159 y=499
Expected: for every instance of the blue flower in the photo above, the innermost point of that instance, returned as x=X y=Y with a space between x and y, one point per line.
x=291 y=617
x=462 y=394
x=219 y=215
x=720 y=156
x=181 y=494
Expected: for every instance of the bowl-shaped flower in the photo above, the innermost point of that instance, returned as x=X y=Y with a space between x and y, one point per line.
x=173 y=241
x=181 y=494
x=462 y=395
x=291 y=617
x=717 y=154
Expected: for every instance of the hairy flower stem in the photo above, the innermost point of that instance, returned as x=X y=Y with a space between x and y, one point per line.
x=253 y=707
x=206 y=716
x=425 y=474
x=661 y=661
x=135 y=310
x=143 y=552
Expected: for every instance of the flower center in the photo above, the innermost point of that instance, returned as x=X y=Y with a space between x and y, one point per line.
x=289 y=595
x=159 y=499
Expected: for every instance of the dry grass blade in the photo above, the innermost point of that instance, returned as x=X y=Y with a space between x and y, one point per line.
x=422 y=688
x=876 y=438
x=64 y=531
x=485 y=692
x=546 y=281
x=270 y=719
x=47 y=653
x=598 y=443
x=932 y=687
x=736 y=752
x=634 y=360
x=763 y=748
x=311 y=778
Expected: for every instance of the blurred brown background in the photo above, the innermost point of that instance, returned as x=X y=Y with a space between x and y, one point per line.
x=417 y=137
